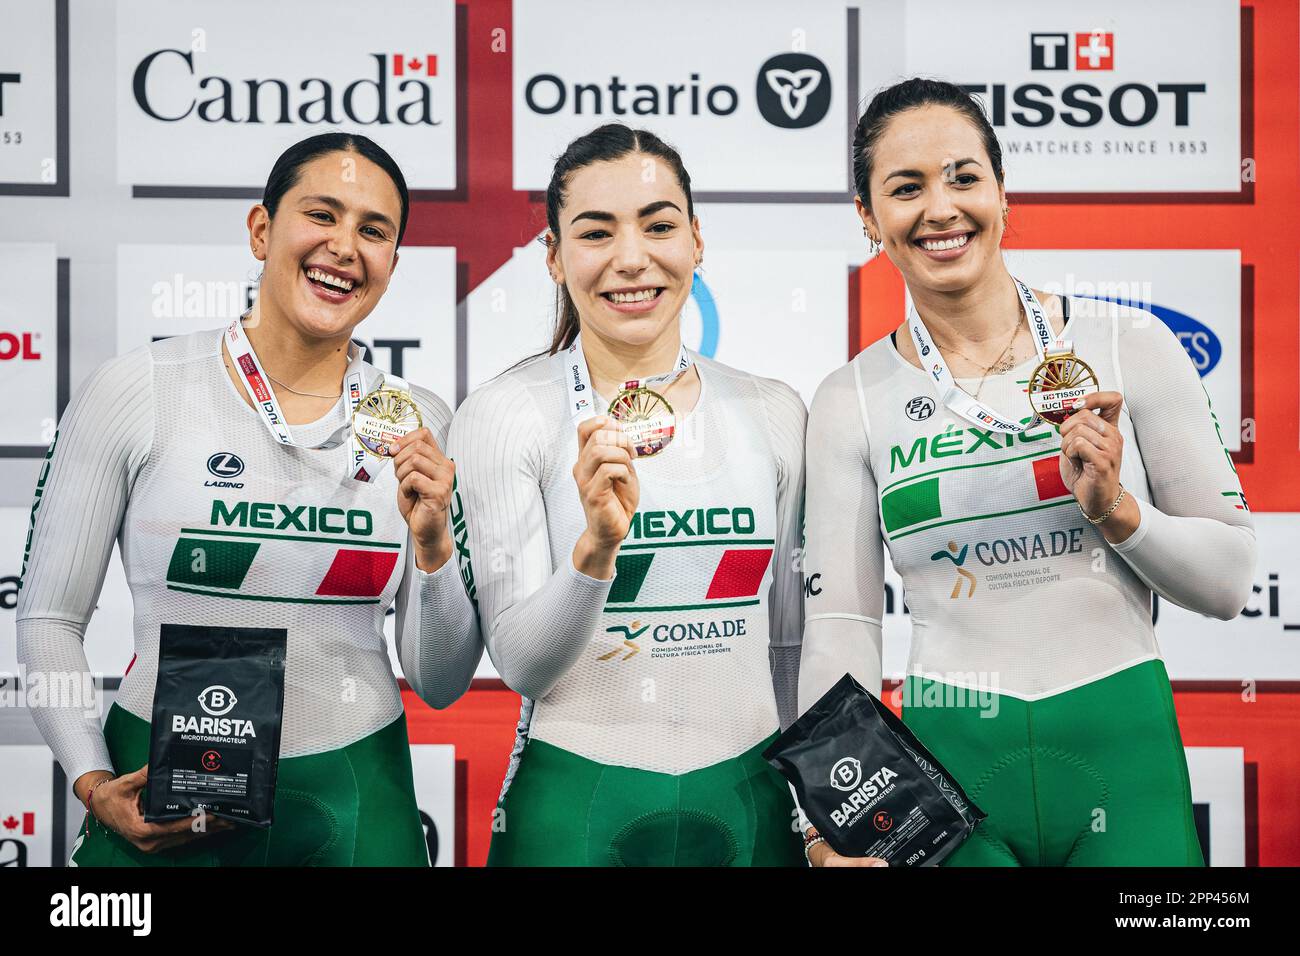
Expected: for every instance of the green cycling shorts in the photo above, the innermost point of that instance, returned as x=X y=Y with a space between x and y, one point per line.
x=354 y=806
x=565 y=810
x=1094 y=776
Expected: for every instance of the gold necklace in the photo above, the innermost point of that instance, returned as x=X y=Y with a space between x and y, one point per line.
x=1015 y=329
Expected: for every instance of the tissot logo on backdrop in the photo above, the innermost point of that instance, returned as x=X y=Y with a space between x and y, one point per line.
x=1052 y=51
x=190 y=84
x=1084 y=104
x=7 y=78
x=33 y=99
x=1114 y=105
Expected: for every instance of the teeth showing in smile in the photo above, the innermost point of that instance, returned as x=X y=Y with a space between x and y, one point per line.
x=330 y=280
x=938 y=245
x=645 y=295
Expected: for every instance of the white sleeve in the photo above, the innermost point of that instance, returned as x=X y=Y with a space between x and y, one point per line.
x=437 y=634
x=786 y=420
x=844 y=553
x=1195 y=543
x=103 y=440
x=536 y=619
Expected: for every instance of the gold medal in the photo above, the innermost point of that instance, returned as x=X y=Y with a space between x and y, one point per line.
x=1060 y=379
x=383 y=417
x=648 y=420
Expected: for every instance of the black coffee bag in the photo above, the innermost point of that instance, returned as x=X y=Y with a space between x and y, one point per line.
x=217 y=708
x=868 y=785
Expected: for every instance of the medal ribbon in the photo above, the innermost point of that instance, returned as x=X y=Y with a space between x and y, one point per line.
x=578 y=380
x=952 y=395
x=258 y=384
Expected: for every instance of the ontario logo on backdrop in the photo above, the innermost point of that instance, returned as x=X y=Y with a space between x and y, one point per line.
x=735 y=91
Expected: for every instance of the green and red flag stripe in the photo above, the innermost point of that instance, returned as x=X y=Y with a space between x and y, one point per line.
x=266 y=567
x=952 y=495
x=695 y=575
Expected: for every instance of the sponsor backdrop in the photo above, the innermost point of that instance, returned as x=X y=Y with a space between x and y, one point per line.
x=1151 y=154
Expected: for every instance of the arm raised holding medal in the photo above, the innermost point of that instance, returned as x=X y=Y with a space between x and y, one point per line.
x=437 y=633
x=1092 y=450
x=1192 y=541
x=608 y=487
x=425 y=478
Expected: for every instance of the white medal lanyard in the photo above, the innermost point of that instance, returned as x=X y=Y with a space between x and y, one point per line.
x=257 y=382
x=954 y=397
x=579 y=381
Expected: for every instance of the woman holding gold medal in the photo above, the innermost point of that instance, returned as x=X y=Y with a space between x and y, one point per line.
x=633 y=512
x=262 y=479
x=1036 y=465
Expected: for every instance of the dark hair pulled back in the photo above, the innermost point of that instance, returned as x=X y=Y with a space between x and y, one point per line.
x=606 y=143
x=288 y=168
x=909 y=95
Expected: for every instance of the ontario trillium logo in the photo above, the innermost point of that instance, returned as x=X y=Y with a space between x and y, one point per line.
x=794 y=90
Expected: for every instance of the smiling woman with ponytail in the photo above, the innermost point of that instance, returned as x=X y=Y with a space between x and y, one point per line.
x=633 y=515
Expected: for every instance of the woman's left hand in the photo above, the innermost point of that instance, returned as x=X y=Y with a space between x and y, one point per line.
x=1091 y=452
x=424 y=480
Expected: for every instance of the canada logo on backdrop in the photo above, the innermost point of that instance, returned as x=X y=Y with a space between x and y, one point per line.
x=14 y=851
x=20 y=823
x=167 y=87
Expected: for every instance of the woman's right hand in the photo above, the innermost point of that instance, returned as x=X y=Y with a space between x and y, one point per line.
x=823 y=855
x=609 y=491
x=116 y=805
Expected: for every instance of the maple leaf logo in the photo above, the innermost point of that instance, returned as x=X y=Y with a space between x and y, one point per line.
x=11 y=822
